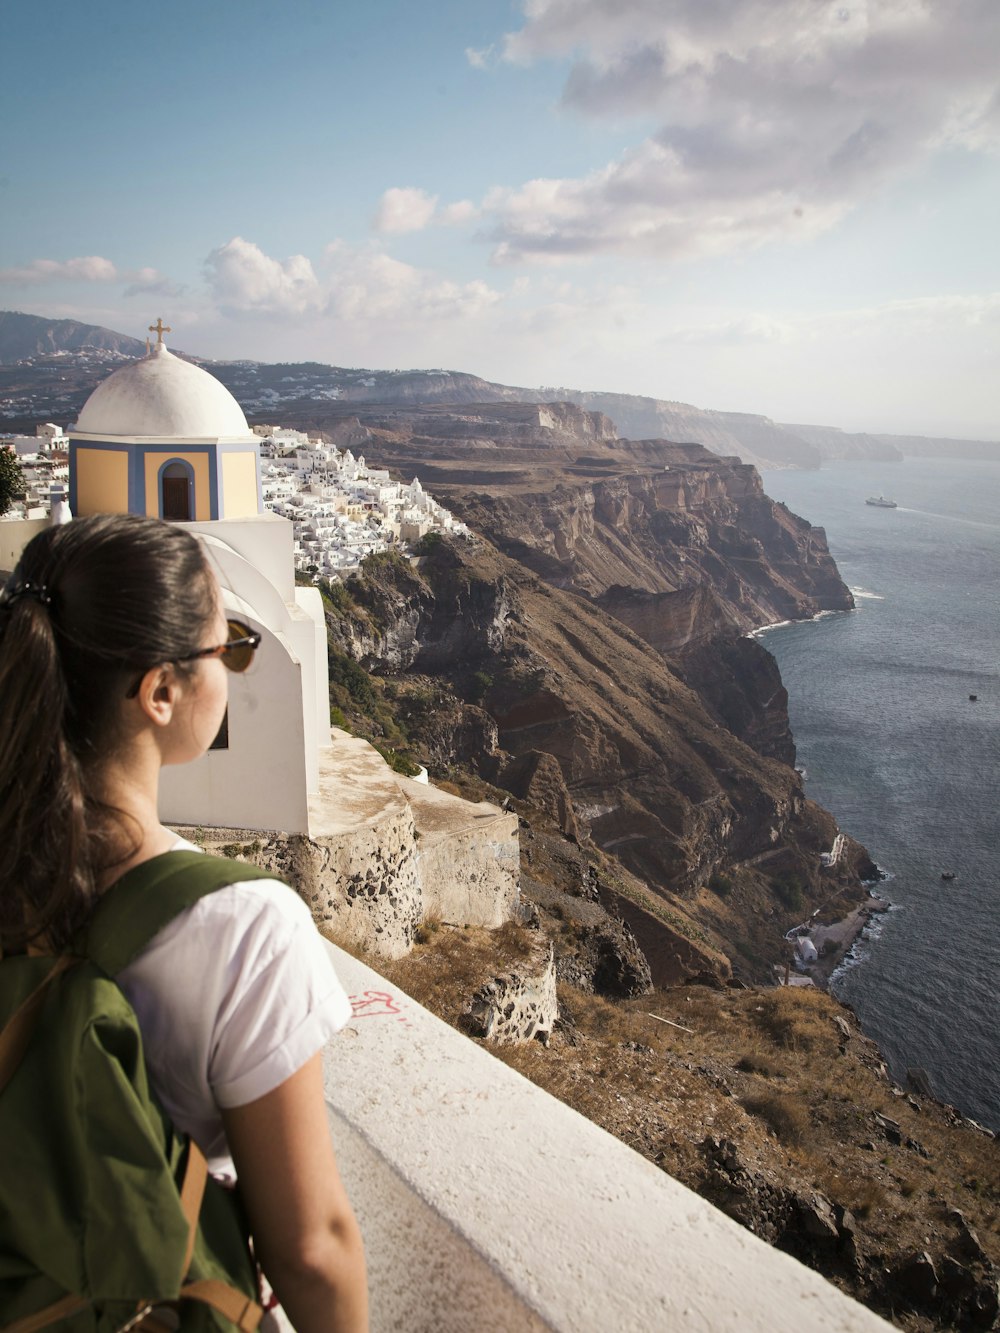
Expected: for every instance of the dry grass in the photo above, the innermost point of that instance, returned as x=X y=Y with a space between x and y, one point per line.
x=797 y=1018
x=769 y=1070
x=785 y=1114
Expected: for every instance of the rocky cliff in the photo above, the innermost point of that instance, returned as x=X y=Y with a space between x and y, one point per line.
x=753 y=438
x=587 y=655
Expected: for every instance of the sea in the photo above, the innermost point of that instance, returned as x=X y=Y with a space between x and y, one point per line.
x=895 y=746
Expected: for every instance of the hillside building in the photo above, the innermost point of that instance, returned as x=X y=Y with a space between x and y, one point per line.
x=164 y=438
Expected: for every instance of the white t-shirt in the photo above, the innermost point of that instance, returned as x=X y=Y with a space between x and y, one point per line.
x=232 y=997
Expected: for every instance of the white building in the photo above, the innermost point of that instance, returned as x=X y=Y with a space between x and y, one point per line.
x=163 y=437
x=341 y=509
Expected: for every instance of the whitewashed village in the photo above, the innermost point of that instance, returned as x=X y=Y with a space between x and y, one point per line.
x=340 y=509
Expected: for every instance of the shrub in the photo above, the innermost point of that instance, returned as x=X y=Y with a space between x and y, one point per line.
x=480 y=683
x=721 y=884
x=335 y=595
x=786 y=1116
x=789 y=892
x=398 y=761
x=795 y=1018
x=428 y=543
x=345 y=672
x=11 y=477
x=755 y=1063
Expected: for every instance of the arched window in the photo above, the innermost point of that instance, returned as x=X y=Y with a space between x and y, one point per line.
x=177 y=491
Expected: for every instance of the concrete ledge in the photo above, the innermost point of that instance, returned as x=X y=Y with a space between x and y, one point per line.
x=487 y=1205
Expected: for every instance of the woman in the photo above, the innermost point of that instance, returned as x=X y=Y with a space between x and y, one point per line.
x=113 y=655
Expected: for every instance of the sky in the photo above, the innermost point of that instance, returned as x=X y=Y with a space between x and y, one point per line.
x=789 y=207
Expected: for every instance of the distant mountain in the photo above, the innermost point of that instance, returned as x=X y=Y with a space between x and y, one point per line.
x=272 y=392
x=31 y=335
x=755 y=439
x=882 y=448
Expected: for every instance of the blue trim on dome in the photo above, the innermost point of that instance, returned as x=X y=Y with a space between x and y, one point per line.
x=136 y=475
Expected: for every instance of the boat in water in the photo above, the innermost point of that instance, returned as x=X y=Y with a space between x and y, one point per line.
x=880 y=502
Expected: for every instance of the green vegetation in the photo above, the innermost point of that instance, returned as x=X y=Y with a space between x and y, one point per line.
x=428 y=543
x=788 y=891
x=347 y=675
x=398 y=761
x=11 y=478
x=336 y=595
x=480 y=683
x=721 y=884
x=234 y=850
x=379 y=560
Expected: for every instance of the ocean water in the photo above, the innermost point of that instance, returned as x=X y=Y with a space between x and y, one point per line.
x=909 y=765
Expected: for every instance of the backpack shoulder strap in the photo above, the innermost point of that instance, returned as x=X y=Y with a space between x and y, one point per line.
x=149 y=896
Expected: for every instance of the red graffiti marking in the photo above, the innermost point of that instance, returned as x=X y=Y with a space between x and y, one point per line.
x=374 y=1004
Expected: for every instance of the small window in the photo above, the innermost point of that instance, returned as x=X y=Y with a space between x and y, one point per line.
x=221 y=741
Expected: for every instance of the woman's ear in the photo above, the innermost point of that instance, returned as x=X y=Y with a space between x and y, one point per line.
x=158 y=694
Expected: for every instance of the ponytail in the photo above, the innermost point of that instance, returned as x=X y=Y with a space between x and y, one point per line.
x=43 y=830
x=91 y=603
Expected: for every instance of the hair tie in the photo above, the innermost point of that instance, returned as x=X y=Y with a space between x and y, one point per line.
x=38 y=592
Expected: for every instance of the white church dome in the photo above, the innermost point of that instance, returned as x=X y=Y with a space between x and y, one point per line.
x=161 y=395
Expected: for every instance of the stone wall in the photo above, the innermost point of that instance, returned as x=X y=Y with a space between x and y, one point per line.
x=386 y=853
x=520 y=1006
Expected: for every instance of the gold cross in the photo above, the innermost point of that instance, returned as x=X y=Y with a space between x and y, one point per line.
x=159 y=328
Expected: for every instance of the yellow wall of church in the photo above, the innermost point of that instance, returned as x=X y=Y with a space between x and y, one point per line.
x=199 y=464
x=101 y=481
x=239 y=485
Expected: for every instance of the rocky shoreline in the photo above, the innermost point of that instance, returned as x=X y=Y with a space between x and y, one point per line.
x=833 y=941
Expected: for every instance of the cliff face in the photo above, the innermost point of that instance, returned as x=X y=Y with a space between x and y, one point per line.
x=754 y=438
x=588 y=657
x=698 y=534
x=552 y=487
x=542 y=692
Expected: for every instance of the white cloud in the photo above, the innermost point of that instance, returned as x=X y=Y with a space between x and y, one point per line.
x=454 y=215
x=355 y=287
x=478 y=58
x=90 y=268
x=773 y=117
x=404 y=209
x=150 y=282
x=368 y=286
x=242 y=277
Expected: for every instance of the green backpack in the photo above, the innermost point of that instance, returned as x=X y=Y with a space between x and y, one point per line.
x=108 y=1220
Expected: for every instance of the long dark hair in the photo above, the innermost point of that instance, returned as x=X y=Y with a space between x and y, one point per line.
x=92 y=604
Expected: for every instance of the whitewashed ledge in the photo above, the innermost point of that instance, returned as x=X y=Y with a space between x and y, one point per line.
x=487 y=1205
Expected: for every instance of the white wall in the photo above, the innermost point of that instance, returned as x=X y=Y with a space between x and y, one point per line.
x=265 y=540
x=15 y=533
x=487 y=1205
x=279 y=710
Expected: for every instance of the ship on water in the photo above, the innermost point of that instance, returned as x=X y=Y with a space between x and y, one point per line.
x=880 y=502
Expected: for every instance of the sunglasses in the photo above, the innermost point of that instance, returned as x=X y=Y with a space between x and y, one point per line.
x=236 y=653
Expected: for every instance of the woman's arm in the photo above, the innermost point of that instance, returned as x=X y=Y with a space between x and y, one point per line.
x=305 y=1234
